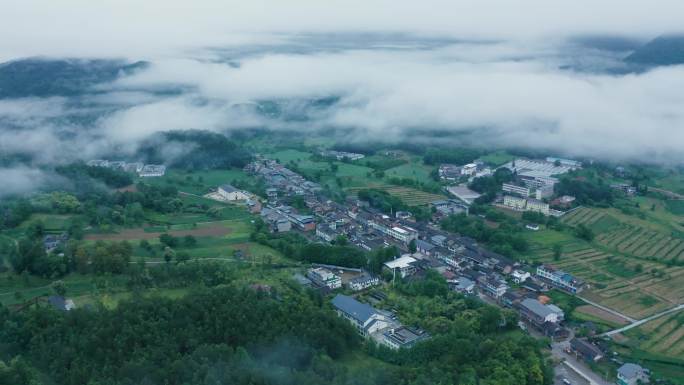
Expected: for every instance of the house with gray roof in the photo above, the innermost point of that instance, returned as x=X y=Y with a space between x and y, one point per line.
x=632 y=374
x=365 y=318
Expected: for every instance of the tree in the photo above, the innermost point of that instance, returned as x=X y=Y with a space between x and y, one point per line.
x=189 y=241
x=59 y=288
x=168 y=240
x=557 y=251
x=412 y=246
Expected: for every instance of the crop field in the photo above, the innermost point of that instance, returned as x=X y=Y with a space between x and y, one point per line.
x=410 y=196
x=634 y=287
x=641 y=242
x=659 y=344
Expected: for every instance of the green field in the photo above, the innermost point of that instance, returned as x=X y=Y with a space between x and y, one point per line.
x=197 y=182
x=415 y=170
x=497 y=158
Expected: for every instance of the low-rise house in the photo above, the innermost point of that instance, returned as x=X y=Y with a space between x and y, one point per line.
x=586 y=350
x=254 y=206
x=464 y=285
x=363 y=281
x=511 y=299
x=51 y=241
x=403 y=337
x=492 y=286
x=559 y=279
x=520 y=276
x=230 y=193
x=632 y=374
x=537 y=313
x=324 y=232
x=60 y=303
x=404 y=266
x=424 y=247
x=324 y=277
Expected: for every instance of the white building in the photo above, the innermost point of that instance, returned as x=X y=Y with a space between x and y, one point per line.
x=469 y=169
x=231 y=193
x=324 y=277
x=405 y=266
x=537 y=206
x=152 y=170
x=363 y=281
x=520 y=276
x=362 y=316
x=515 y=202
x=403 y=233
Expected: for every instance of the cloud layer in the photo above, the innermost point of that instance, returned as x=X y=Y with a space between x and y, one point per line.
x=505 y=73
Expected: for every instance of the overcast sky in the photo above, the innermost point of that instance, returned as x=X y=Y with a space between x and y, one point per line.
x=151 y=27
x=499 y=68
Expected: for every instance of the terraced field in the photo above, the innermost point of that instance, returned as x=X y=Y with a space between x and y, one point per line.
x=630 y=239
x=410 y=196
x=634 y=287
x=662 y=336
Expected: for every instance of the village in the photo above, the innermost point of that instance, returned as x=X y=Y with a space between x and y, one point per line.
x=468 y=267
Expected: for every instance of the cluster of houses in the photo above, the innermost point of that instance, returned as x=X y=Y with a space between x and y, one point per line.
x=53 y=241
x=143 y=170
x=377 y=325
x=281 y=180
x=453 y=173
x=341 y=155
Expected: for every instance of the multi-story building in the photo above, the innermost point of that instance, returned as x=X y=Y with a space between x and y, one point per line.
x=515 y=189
x=492 y=286
x=324 y=277
x=559 y=279
x=515 y=202
x=537 y=206
x=537 y=313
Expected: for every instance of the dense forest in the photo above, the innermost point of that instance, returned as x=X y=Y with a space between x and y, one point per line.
x=194 y=150
x=237 y=335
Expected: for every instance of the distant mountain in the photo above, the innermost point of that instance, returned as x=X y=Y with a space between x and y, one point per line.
x=661 y=51
x=66 y=77
x=608 y=43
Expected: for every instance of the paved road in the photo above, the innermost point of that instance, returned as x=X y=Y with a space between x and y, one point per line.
x=564 y=372
x=643 y=321
x=575 y=366
x=609 y=310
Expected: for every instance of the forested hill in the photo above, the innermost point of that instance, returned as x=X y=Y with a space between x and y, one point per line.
x=37 y=77
x=663 y=50
x=194 y=150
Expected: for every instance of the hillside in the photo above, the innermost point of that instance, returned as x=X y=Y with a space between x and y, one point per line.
x=66 y=77
x=663 y=50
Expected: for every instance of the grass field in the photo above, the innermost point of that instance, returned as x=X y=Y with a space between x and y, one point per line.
x=52 y=222
x=197 y=182
x=497 y=158
x=414 y=170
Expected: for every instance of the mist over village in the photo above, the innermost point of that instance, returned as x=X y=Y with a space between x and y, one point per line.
x=360 y=192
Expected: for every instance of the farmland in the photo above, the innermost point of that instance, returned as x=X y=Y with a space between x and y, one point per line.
x=410 y=196
x=633 y=265
x=659 y=343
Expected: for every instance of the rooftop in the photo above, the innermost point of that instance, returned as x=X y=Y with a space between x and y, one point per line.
x=361 y=312
x=401 y=262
